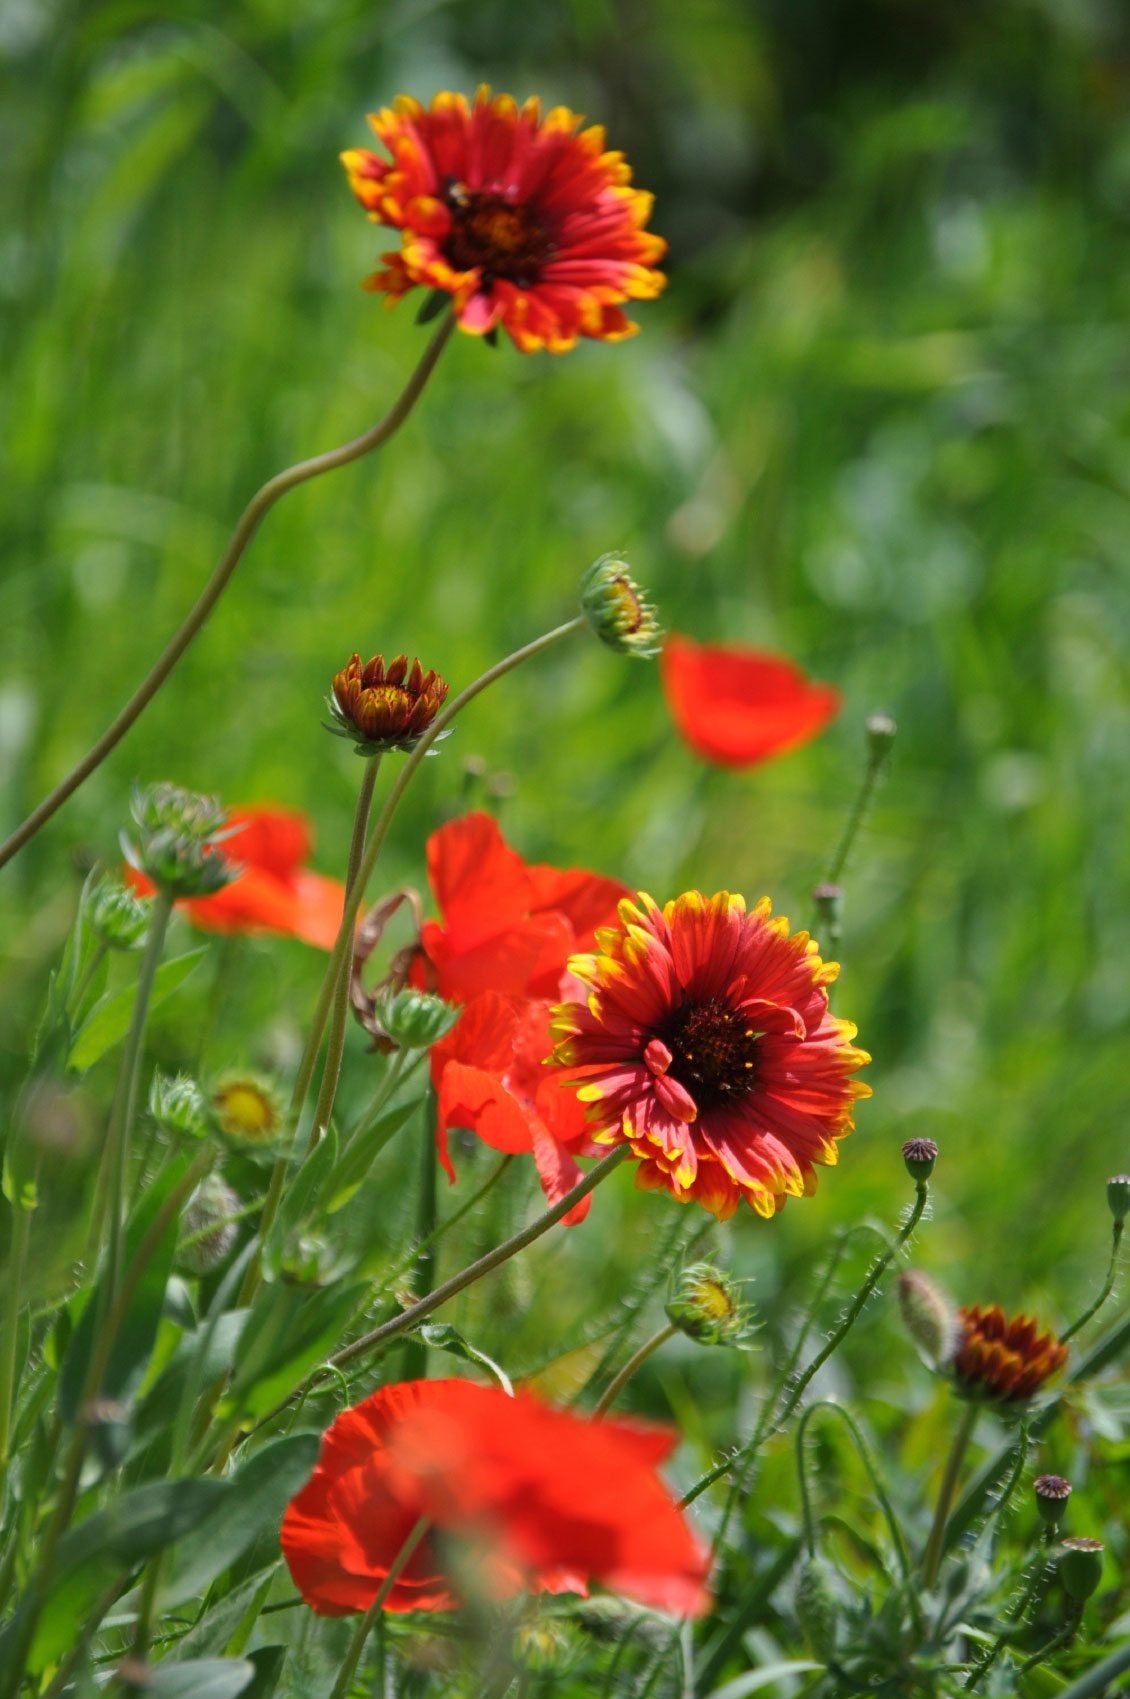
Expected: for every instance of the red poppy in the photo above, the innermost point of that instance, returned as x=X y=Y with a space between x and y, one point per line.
x=526 y=222
x=540 y=1500
x=706 y=1045
x=739 y=706
x=508 y=931
x=508 y=925
x=273 y=891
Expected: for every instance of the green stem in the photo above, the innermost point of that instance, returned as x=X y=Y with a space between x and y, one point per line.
x=1056 y=1643
x=980 y=1670
x=932 y=1556
x=877 y=755
x=259 y=505
x=1108 y=1287
x=416 y=1352
x=898 y=1539
x=9 y=1347
x=125 y=1097
x=615 y=1386
x=365 y=1626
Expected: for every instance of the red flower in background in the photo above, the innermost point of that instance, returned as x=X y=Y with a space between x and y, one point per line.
x=274 y=891
x=527 y=222
x=542 y=1501
x=739 y=706
x=507 y=932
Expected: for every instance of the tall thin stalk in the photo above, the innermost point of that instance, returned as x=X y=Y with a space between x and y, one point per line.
x=932 y=1556
x=251 y=518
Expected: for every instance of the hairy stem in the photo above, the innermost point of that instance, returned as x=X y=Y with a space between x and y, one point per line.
x=932 y=1556
x=260 y=504
x=365 y=1627
x=1108 y=1286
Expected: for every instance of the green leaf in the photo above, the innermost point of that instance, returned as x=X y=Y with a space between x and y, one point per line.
x=289 y=1331
x=768 y=1676
x=362 y=1152
x=201 y=1678
x=108 y=1022
x=441 y=1336
x=268 y=1661
x=300 y=1201
x=255 y=1500
x=101 y=1552
x=136 y=1336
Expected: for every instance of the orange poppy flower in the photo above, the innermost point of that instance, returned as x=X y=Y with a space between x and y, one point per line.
x=738 y=706
x=706 y=1045
x=273 y=891
x=528 y=223
x=539 y=1500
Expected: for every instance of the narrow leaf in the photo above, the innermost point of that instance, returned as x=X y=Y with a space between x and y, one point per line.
x=108 y=1022
x=201 y=1678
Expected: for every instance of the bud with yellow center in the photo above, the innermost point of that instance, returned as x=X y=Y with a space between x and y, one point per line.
x=617 y=610
x=247 y=1112
x=706 y=1306
x=384 y=707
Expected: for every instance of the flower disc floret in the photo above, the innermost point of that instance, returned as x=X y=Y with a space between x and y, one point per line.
x=1003 y=1359
x=385 y=707
x=247 y=1111
x=706 y=1045
x=528 y=223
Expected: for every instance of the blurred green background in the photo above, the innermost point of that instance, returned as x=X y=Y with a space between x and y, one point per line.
x=880 y=421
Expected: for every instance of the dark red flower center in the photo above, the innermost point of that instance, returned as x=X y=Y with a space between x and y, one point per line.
x=495 y=235
x=713 y=1051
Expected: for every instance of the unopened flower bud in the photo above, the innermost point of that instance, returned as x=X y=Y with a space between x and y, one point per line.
x=384 y=707
x=920 y=1156
x=177 y=843
x=415 y=1020
x=1052 y=1493
x=616 y=609
x=177 y=1105
x=881 y=732
x=247 y=1112
x=1118 y=1195
x=829 y=901
x=545 y=1646
x=817 y=1608
x=208 y=1230
x=1080 y=1567
x=118 y=918
x=927 y=1316
x=706 y=1306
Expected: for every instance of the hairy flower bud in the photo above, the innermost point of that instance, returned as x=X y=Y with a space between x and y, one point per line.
x=920 y=1156
x=545 y=1646
x=118 y=918
x=177 y=841
x=415 y=1020
x=384 y=707
x=706 y=1306
x=817 y=1608
x=247 y=1112
x=208 y=1231
x=616 y=610
x=177 y=1105
x=1052 y=1493
x=881 y=732
x=927 y=1316
x=1080 y=1567
x=1118 y=1196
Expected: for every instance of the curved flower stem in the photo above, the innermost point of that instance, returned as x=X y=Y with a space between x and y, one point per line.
x=612 y=1391
x=364 y=1628
x=878 y=752
x=932 y=1556
x=898 y=1539
x=1004 y=1498
x=1056 y=1643
x=260 y=504
x=980 y=1670
x=1108 y=1286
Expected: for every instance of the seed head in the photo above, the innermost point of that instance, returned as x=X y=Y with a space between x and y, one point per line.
x=617 y=610
x=881 y=732
x=1118 y=1196
x=1081 y=1567
x=920 y=1156
x=1052 y=1493
x=384 y=707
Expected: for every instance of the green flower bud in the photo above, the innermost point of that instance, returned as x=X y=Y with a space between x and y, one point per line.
x=706 y=1307
x=415 y=1020
x=920 y=1156
x=118 y=918
x=1052 y=1493
x=881 y=732
x=927 y=1317
x=817 y=1608
x=614 y=606
x=1080 y=1567
x=207 y=1231
x=1118 y=1195
x=247 y=1112
x=178 y=839
x=177 y=1105
x=545 y=1646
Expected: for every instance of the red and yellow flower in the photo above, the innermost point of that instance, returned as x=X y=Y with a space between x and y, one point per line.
x=737 y=706
x=1004 y=1358
x=272 y=889
x=707 y=1046
x=527 y=1498
x=528 y=223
